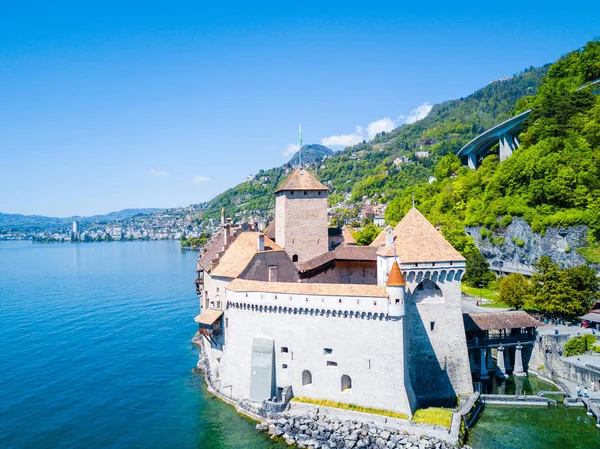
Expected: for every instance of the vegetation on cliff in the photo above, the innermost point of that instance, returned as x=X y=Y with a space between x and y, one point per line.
x=553 y=179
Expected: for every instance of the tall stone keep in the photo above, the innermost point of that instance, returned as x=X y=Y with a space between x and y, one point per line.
x=301 y=216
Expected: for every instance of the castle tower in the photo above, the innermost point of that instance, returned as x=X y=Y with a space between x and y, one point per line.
x=301 y=216
x=395 y=287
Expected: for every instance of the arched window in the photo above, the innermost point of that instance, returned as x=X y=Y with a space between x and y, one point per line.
x=346 y=383
x=295 y=258
x=306 y=377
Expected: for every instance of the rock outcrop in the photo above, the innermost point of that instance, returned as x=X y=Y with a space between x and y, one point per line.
x=518 y=247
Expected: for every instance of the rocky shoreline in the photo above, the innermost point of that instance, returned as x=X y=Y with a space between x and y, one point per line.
x=317 y=431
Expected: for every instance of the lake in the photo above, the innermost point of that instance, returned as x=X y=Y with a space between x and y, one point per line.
x=96 y=353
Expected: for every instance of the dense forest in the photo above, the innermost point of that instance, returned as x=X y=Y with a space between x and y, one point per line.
x=553 y=179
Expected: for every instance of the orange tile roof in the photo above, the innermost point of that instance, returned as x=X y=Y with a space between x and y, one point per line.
x=301 y=180
x=270 y=230
x=296 y=288
x=240 y=253
x=418 y=241
x=395 y=279
x=380 y=239
x=208 y=317
x=215 y=246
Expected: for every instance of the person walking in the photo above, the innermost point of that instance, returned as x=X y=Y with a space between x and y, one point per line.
x=593 y=386
x=585 y=393
x=578 y=391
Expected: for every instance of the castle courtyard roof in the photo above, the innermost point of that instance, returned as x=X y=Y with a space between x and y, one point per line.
x=342 y=253
x=301 y=180
x=240 y=253
x=296 y=288
x=516 y=319
x=418 y=241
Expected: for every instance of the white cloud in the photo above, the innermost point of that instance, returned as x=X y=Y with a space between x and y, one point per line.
x=291 y=149
x=372 y=129
x=418 y=113
x=200 y=179
x=383 y=124
x=344 y=140
x=157 y=173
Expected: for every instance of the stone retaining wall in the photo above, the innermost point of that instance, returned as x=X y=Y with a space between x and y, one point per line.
x=315 y=428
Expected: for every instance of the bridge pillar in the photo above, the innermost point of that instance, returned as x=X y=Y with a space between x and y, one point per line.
x=490 y=360
x=472 y=160
x=472 y=361
x=500 y=366
x=519 y=371
x=483 y=373
x=508 y=144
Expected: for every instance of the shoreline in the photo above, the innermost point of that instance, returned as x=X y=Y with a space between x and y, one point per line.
x=309 y=425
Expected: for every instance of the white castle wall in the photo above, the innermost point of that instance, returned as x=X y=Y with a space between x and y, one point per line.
x=365 y=345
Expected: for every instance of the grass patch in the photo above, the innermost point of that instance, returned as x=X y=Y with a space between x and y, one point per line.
x=434 y=415
x=352 y=407
x=477 y=292
x=497 y=304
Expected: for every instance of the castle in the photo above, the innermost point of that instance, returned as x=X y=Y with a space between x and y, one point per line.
x=377 y=326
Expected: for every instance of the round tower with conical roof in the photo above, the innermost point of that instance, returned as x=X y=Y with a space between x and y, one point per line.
x=395 y=287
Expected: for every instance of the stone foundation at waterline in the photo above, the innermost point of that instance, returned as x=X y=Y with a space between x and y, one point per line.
x=320 y=431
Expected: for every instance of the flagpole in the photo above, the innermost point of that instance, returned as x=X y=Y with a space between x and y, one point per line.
x=300 y=132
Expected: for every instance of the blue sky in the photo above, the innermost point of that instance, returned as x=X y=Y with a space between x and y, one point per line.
x=109 y=105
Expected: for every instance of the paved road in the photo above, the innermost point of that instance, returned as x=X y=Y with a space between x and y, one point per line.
x=469 y=305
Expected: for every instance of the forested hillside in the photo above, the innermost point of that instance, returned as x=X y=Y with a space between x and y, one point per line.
x=553 y=179
x=368 y=169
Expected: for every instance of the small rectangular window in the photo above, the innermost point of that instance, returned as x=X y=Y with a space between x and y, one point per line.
x=284 y=349
x=432 y=325
x=226 y=322
x=284 y=366
x=397 y=301
x=330 y=363
x=217 y=289
x=327 y=351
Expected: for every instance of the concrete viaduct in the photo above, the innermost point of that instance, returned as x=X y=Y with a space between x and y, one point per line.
x=506 y=133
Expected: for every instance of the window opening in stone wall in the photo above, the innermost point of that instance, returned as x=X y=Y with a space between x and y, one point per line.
x=295 y=258
x=330 y=363
x=432 y=326
x=284 y=349
x=327 y=351
x=306 y=377
x=226 y=322
x=397 y=301
x=284 y=366
x=305 y=192
x=346 y=383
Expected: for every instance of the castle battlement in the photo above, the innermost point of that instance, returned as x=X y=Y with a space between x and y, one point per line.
x=372 y=303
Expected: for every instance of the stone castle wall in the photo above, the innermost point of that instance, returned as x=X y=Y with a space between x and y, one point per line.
x=328 y=338
x=301 y=223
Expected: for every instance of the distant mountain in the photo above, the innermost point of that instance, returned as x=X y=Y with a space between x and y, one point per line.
x=32 y=223
x=310 y=154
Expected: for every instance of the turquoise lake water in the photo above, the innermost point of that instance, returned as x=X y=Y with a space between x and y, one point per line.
x=95 y=352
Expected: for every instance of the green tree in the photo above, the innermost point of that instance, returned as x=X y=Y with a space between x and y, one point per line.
x=514 y=290
x=569 y=292
x=448 y=165
x=365 y=236
x=477 y=271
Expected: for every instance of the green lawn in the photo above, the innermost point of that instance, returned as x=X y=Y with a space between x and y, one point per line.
x=438 y=416
x=491 y=295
